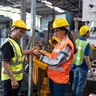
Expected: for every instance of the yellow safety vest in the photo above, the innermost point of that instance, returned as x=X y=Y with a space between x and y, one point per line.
x=15 y=62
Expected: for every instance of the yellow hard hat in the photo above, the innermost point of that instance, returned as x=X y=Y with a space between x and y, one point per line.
x=20 y=24
x=60 y=22
x=84 y=29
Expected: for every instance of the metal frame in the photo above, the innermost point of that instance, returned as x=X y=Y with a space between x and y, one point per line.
x=66 y=5
x=73 y=3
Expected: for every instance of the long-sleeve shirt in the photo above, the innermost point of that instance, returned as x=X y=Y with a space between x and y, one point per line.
x=62 y=56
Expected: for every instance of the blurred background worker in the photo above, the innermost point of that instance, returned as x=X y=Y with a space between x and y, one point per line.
x=61 y=58
x=12 y=70
x=81 y=62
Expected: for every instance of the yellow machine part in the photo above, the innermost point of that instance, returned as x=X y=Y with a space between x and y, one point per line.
x=35 y=74
x=40 y=64
x=54 y=40
x=93 y=47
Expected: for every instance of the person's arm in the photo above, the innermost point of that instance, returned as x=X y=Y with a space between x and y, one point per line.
x=87 y=59
x=8 y=71
x=25 y=52
x=6 y=66
x=62 y=57
x=88 y=63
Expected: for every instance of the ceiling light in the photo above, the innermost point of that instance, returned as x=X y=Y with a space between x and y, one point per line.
x=46 y=2
x=49 y=4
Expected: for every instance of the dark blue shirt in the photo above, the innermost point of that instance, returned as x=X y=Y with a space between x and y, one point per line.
x=86 y=53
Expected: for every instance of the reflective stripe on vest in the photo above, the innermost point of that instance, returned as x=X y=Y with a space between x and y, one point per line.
x=76 y=57
x=56 y=50
x=15 y=62
x=79 y=56
x=14 y=72
x=56 y=68
x=79 y=47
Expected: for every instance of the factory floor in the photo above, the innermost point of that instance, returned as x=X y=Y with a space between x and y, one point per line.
x=1 y=90
x=89 y=88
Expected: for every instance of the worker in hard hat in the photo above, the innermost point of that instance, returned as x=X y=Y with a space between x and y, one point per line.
x=61 y=59
x=81 y=62
x=12 y=70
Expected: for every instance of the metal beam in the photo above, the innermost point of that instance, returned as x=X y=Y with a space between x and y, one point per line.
x=70 y=5
x=23 y=17
x=32 y=43
x=73 y=3
x=55 y=5
x=57 y=1
x=23 y=41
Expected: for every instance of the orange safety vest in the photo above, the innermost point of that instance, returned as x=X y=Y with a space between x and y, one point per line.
x=60 y=74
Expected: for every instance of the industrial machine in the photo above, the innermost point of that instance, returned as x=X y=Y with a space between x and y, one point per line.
x=5 y=23
x=48 y=54
x=89 y=16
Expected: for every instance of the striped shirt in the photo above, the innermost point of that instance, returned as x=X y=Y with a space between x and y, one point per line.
x=62 y=56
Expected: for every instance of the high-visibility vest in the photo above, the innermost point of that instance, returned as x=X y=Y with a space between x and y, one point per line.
x=15 y=63
x=60 y=74
x=79 y=56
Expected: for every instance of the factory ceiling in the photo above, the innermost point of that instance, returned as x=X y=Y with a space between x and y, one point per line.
x=73 y=6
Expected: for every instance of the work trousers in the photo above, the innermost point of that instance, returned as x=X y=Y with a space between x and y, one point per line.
x=7 y=88
x=57 y=89
x=79 y=81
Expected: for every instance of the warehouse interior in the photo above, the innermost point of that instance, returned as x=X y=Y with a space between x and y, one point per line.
x=41 y=15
